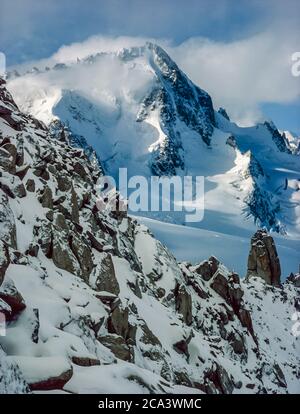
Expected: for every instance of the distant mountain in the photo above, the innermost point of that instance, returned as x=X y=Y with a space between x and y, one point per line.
x=138 y=110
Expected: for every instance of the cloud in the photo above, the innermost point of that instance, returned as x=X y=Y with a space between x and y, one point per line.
x=97 y=44
x=32 y=29
x=244 y=74
x=240 y=75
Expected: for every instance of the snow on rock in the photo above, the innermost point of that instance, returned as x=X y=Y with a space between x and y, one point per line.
x=105 y=307
x=150 y=117
x=11 y=378
x=263 y=260
x=43 y=373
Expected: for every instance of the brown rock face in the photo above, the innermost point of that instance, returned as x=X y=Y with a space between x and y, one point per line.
x=183 y=302
x=10 y=295
x=55 y=383
x=263 y=260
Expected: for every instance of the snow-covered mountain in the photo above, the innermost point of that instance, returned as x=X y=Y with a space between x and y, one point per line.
x=94 y=303
x=293 y=141
x=138 y=110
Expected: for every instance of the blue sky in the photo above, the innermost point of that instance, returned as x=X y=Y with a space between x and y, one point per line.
x=34 y=29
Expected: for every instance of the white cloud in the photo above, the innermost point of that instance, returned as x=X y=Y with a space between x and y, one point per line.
x=96 y=44
x=243 y=74
x=238 y=75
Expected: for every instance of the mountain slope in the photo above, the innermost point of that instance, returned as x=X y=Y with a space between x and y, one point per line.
x=94 y=303
x=138 y=110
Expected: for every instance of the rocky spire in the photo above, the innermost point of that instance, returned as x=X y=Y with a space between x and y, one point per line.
x=223 y=112
x=263 y=260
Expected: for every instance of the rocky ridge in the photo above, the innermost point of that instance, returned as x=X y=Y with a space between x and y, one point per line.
x=94 y=303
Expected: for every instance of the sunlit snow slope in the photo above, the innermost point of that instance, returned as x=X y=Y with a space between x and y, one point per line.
x=138 y=110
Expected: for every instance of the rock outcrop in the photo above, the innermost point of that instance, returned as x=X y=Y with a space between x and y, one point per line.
x=263 y=260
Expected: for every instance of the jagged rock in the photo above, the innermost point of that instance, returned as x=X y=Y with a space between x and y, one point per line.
x=223 y=112
x=74 y=206
x=191 y=280
x=83 y=253
x=30 y=185
x=80 y=170
x=20 y=191
x=6 y=189
x=182 y=378
x=237 y=342
x=59 y=200
x=160 y=292
x=61 y=222
x=12 y=150
x=5 y=140
x=279 y=376
x=85 y=361
x=106 y=298
x=33 y=250
x=135 y=287
x=7 y=222
x=209 y=387
x=22 y=171
x=294 y=279
x=20 y=155
x=183 y=302
x=220 y=285
x=94 y=242
x=4 y=260
x=41 y=171
x=63 y=182
x=64 y=211
x=7 y=161
x=46 y=198
x=45 y=238
x=50 y=215
x=278 y=138
x=182 y=346
x=235 y=292
x=221 y=380
x=207 y=268
x=246 y=320
x=117 y=322
x=34 y=320
x=148 y=336
x=10 y=295
x=6 y=114
x=62 y=255
x=117 y=345
x=17 y=257
x=231 y=141
x=105 y=276
x=263 y=260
